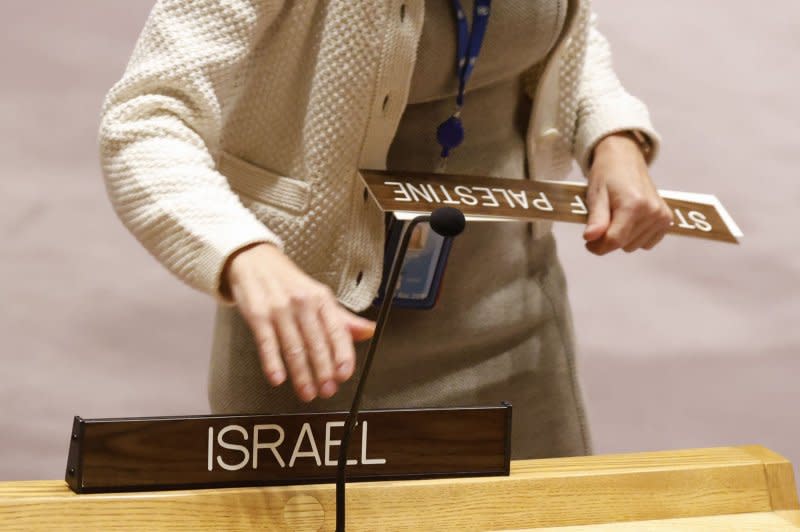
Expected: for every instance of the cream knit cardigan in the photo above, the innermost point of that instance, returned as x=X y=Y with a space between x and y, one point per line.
x=243 y=121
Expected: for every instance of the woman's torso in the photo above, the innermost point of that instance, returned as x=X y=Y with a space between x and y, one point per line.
x=314 y=122
x=487 y=298
x=501 y=328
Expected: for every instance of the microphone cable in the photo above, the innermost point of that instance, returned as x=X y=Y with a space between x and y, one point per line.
x=445 y=221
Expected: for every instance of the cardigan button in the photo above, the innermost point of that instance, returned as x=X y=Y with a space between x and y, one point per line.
x=359 y=277
x=402 y=12
x=550 y=133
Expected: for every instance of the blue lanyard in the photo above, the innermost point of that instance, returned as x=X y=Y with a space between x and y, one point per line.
x=450 y=133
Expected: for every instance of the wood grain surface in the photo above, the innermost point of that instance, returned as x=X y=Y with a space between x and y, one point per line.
x=728 y=486
x=752 y=522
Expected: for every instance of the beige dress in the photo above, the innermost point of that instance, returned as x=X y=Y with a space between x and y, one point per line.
x=502 y=327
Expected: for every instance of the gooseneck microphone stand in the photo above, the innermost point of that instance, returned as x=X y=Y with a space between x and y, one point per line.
x=445 y=221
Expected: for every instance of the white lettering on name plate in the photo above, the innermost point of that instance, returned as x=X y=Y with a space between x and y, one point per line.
x=470 y=196
x=270 y=437
x=693 y=220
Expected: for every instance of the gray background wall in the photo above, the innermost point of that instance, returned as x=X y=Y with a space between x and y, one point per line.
x=689 y=345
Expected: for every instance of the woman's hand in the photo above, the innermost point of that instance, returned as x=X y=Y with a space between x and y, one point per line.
x=296 y=321
x=625 y=209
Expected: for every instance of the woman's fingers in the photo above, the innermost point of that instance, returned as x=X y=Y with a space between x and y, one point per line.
x=293 y=349
x=637 y=220
x=650 y=244
x=656 y=225
x=623 y=222
x=643 y=234
x=301 y=330
x=317 y=342
x=343 y=352
x=599 y=211
x=250 y=298
x=360 y=328
x=269 y=349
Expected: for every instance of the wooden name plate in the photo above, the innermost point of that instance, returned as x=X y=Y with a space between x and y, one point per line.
x=408 y=194
x=223 y=451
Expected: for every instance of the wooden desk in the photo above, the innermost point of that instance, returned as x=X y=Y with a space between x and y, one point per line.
x=729 y=488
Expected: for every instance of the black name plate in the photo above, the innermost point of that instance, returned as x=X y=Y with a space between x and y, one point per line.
x=262 y=450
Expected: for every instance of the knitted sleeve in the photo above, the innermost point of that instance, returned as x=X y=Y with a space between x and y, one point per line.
x=604 y=106
x=160 y=131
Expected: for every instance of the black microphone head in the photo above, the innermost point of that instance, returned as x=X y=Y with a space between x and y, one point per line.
x=447 y=221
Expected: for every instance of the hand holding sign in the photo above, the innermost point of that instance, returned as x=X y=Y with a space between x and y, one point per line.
x=408 y=194
x=625 y=210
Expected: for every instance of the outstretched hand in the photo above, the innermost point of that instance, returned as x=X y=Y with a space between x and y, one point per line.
x=300 y=328
x=625 y=209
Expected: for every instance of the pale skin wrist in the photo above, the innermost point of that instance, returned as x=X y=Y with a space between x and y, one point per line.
x=229 y=271
x=621 y=144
